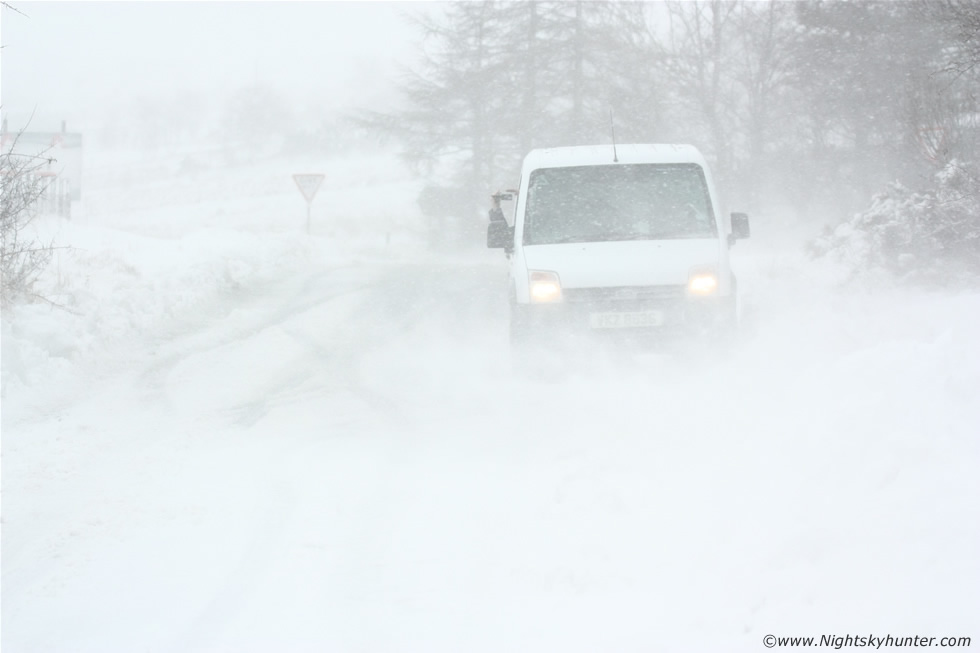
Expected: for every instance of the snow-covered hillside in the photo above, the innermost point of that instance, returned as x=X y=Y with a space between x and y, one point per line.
x=237 y=437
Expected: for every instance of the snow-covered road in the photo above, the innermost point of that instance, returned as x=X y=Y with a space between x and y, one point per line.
x=339 y=459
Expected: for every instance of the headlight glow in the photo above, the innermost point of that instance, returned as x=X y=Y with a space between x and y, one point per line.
x=702 y=283
x=545 y=287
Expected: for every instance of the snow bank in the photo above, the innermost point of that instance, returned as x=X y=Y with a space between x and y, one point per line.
x=931 y=236
x=113 y=288
x=160 y=245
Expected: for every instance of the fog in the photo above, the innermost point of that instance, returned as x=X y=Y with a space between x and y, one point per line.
x=78 y=61
x=226 y=427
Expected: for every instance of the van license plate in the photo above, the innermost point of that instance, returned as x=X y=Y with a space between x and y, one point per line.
x=626 y=320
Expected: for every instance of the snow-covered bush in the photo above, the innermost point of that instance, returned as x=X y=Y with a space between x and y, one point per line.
x=22 y=256
x=929 y=236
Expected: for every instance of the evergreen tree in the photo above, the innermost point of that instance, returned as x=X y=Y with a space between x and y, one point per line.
x=863 y=67
x=455 y=100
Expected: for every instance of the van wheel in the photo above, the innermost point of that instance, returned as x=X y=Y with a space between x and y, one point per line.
x=532 y=357
x=520 y=326
x=522 y=346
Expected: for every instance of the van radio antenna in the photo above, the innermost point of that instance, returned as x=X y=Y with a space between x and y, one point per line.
x=612 y=128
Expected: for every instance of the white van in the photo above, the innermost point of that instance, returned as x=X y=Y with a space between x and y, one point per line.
x=618 y=241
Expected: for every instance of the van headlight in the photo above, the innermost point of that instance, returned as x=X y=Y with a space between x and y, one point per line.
x=544 y=287
x=702 y=282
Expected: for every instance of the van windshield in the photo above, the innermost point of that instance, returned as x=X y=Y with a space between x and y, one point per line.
x=618 y=202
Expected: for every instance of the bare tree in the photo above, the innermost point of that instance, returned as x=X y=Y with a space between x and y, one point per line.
x=22 y=256
x=763 y=68
x=701 y=45
x=962 y=20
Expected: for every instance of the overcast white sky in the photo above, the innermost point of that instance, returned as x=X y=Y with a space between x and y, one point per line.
x=69 y=60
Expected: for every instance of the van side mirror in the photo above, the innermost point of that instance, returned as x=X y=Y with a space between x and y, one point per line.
x=499 y=234
x=740 y=227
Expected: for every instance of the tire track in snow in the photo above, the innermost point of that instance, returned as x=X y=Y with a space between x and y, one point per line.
x=299 y=300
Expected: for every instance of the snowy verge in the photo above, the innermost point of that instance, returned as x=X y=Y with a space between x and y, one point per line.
x=118 y=296
x=154 y=251
x=111 y=289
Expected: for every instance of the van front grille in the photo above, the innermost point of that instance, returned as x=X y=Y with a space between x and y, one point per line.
x=622 y=294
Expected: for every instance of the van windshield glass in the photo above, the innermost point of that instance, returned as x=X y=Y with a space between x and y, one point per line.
x=618 y=202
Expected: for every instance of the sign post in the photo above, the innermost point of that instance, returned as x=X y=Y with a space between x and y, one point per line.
x=308 y=185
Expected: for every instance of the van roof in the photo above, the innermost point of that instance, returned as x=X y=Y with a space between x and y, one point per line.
x=562 y=157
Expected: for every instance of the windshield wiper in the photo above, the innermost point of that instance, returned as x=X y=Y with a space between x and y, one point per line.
x=605 y=238
x=562 y=241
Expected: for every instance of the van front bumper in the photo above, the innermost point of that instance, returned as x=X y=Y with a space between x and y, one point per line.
x=633 y=313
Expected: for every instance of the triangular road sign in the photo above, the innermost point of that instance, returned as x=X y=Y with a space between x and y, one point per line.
x=308 y=184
